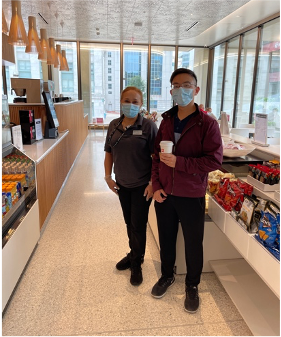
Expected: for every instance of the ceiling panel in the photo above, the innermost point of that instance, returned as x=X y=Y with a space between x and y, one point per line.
x=162 y=21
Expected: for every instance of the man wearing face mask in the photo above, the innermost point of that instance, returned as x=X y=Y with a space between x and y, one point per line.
x=179 y=182
x=128 y=149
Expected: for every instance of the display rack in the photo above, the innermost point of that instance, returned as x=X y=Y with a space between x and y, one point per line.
x=20 y=233
x=253 y=283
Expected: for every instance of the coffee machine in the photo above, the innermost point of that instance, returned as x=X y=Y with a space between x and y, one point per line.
x=28 y=89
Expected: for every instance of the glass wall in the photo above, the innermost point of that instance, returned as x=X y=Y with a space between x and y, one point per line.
x=100 y=79
x=135 y=69
x=196 y=59
x=162 y=66
x=245 y=80
x=267 y=93
x=66 y=82
x=230 y=77
x=217 y=79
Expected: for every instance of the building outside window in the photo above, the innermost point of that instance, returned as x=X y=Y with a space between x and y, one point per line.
x=101 y=99
x=162 y=66
x=135 y=68
x=196 y=59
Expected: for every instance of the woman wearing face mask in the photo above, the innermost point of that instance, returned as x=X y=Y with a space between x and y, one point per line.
x=179 y=182
x=128 y=149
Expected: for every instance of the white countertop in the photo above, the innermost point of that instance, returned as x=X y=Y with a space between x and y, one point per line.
x=271 y=149
x=38 y=150
x=58 y=103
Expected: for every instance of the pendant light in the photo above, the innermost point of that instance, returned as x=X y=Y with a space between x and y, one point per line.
x=17 y=35
x=64 y=60
x=53 y=52
x=45 y=55
x=58 y=50
x=33 y=46
x=4 y=24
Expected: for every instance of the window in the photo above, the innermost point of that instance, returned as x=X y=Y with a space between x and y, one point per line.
x=196 y=59
x=135 y=68
x=162 y=66
x=67 y=83
x=101 y=99
x=267 y=93
x=109 y=62
x=153 y=104
x=245 y=80
x=217 y=80
x=230 y=77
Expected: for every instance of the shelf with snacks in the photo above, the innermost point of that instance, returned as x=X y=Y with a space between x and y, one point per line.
x=20 y=217
x=241 y=233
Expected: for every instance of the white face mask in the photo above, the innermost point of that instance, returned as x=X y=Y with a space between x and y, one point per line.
x=182 y=96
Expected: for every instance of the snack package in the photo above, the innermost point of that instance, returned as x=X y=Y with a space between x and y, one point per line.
x=213 y=185
x=268 y=228
x=223 y=188
x=247 y=210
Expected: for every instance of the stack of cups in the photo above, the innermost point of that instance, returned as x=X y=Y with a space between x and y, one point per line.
x=166 y=146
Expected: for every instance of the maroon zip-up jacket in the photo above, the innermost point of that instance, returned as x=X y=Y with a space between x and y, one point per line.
x=199 y=151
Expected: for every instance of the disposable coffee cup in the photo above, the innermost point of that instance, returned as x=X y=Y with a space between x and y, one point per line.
x=166 y=146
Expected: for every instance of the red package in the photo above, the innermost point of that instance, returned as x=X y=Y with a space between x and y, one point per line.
x=223 y=188
x=245 y=187
x=232 y=195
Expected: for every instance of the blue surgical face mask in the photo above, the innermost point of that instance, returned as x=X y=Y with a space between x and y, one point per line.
x=130 y=110
x=182 y=96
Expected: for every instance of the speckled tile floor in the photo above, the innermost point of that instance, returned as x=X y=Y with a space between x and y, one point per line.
x=72 y=288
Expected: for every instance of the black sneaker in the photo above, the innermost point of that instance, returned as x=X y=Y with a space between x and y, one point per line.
x=160 y=288
x=136 y=275
x=191 y=303
x=125 y=263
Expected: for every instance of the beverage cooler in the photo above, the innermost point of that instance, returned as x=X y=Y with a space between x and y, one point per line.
x=20 y=214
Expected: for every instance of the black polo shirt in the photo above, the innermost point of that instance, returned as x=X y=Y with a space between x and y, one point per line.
x=131 y=150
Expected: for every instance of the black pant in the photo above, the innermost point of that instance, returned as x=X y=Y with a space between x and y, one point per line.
x=191 y=213
x=135 y=211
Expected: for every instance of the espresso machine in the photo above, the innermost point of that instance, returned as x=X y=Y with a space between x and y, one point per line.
x=28 y=90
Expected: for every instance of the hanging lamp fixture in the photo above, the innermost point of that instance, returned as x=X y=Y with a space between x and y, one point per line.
x=64 y=60
x=59 y=54
x=4 y=24
x=17 y=34
x=53 y=52
x=45 y=55
x=34 y=45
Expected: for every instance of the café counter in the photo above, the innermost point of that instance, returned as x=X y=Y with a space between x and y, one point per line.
x=54 y=158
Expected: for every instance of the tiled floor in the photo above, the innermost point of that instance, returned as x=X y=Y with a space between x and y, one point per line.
x=72 y=288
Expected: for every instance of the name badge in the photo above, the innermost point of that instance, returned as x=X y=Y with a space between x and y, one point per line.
x=137 y=132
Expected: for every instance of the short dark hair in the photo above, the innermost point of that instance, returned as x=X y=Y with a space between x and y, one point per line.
x=183 y=71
